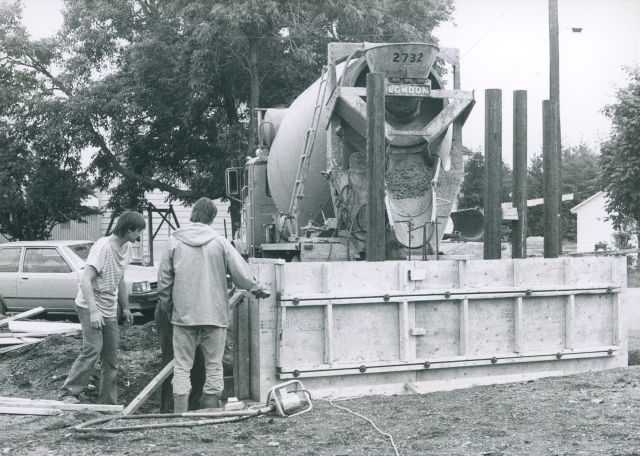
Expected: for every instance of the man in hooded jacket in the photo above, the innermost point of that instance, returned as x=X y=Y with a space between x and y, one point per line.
x=192 y=286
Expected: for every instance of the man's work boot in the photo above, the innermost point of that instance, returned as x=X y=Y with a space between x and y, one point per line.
x=209 y=401
x=180 y=403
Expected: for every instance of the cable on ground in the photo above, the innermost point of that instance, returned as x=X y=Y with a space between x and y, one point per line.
x=366 y=419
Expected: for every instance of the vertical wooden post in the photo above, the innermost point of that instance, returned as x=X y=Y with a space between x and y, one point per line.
x=550 y=173
x=375 y=167
x=492 y=173
x=554 y=95
x=150 y=228
x=519 y=235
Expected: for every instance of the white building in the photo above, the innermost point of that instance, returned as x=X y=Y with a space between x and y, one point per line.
x=593 y=226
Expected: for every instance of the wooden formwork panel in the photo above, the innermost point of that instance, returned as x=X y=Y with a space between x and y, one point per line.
x=343 y=324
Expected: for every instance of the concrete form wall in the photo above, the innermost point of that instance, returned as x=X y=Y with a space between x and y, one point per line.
x=383 y=328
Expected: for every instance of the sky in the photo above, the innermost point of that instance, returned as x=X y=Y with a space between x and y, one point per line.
x=504 y=44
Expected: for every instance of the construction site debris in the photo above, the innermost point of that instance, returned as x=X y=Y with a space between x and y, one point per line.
x=27 y=314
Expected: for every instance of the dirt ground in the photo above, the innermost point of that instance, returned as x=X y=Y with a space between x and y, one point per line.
x=586 y=414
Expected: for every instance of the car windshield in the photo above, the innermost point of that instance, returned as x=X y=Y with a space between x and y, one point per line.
x=81 y=250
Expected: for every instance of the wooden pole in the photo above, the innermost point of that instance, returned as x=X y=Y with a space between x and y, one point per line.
x=550 y=173
x=519 y=235
x=492 y=173
x=554 y=95
x=150 y=229
x=376 y=145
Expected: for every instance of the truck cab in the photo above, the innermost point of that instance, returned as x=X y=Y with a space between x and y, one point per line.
x=256 y=236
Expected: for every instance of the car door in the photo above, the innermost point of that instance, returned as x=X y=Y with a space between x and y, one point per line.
x=47 y=280
x=9 y=267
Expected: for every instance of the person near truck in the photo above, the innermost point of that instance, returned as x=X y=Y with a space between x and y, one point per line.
x=192 y=287
x=101 y=291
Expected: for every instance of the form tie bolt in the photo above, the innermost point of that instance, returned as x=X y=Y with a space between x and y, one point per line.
x=296 y=373
x=558 y=355
x=610 y=352
x=362 y=368
x=427 y=364
x=494 y=360
x=386 y=297
x=296 y=301
x=528 y=292
x=447 y=294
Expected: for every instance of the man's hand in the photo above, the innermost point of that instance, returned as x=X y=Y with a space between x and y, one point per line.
x=128 y=316
x=96 y=319
x=262 y=293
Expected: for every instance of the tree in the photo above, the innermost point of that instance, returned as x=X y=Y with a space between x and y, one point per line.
x=580 y=176
x=161 y=90
x=620 y=155
x=472 y=190
x=41 y=183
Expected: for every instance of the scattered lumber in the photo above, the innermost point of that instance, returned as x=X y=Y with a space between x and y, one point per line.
x=28 y=411
x=18 y=340
x=43 y=327
x=31 y=404
x=27 y=314
x=17 y=347
x=149 y=389
x=26 y=333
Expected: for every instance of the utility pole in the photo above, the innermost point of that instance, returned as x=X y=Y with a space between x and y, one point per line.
x=554 y=96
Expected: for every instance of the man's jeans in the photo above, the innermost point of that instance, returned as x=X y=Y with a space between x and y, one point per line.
x=165 y=336
x=97 y=344
x=212 y=339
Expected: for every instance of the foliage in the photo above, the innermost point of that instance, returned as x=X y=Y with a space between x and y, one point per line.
x=160 y=91
x=620 y=159
x=37 y=190
x=580 y=176
x=41 y=181
x=472 y=190
x=580 y=171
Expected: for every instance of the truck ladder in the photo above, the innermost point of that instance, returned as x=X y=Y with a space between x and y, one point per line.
x=309 y=141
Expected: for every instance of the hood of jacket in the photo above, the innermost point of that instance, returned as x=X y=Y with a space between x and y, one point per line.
x=195 y=234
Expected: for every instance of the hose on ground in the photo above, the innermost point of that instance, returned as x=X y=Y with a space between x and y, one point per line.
x=212 y=418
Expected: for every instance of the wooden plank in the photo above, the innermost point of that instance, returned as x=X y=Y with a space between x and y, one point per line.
x=29 y=411
x=519 y=237
x=518 y=325
x=551 y=183
x=326 y=277
x=403 y=330
x=58 y=405
x=464 y=327
x=149 y=389
x=570 y=322
x=18 y=340
x=462 y=273
x=16 y=347
x=376 y=159
x=328 y=334
x=516 y=272
x=43 y=326
x=397 y=296
x=492 y=174
x=27 y=314
x=525 y=358
x=241 y=337
x=615 y=318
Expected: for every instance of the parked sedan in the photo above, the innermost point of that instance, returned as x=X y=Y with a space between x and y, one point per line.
x=46 y=273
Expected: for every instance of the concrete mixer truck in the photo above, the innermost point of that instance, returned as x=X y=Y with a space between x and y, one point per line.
x=304 y=194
